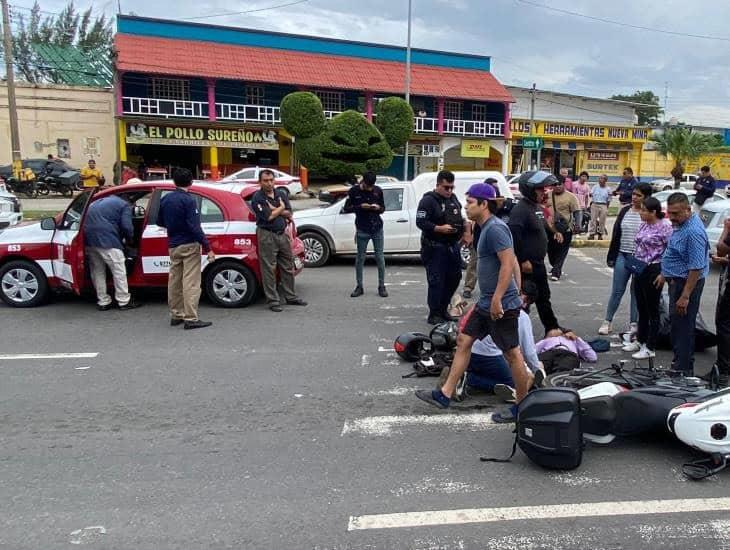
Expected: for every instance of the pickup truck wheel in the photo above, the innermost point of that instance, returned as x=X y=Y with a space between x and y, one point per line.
x=23 y=284
x=316 y=249
x=668 y=187
x=230 y=284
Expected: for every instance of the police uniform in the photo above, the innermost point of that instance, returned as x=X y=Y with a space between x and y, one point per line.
x=439 y=251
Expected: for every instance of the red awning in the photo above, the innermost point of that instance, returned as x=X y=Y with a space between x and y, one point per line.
x=212 y=60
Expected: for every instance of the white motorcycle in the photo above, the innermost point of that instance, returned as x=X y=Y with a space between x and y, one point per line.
x=703 y=425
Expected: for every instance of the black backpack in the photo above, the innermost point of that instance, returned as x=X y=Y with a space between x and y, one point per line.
x=549 y=429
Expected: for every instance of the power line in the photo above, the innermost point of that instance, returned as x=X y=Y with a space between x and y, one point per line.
x=621 y=23
x=16 y=6
x=243 y=12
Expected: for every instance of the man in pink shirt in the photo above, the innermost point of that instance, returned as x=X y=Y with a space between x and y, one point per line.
x=567 y=181
x=582 y=193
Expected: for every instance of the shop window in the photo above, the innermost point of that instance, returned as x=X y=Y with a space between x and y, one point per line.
x=453 y=110
x=479 y=112
x=170 y=88
x=63 y=149
x=331 y=101
x=254 y=95
x=393 y=199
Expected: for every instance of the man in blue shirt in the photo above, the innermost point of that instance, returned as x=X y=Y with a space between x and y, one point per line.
x=366 y=200
x=600 y=199
x=626 y=186
x=498 y=309
x=685 y=265
x=107 y=227
x=179 y=214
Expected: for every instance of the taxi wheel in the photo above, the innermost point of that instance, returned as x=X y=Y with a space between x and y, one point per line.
x=316 y=249
x=23 y=284
x=230 y=284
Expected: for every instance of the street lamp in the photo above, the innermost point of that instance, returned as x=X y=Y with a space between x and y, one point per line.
x=408 y=87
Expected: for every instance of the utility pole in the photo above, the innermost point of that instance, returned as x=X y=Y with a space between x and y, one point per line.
x=666 y=101
x=10 y=80
x=528 y=152
x=408 y=87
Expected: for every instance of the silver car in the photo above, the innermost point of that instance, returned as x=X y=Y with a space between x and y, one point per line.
x=713 y=215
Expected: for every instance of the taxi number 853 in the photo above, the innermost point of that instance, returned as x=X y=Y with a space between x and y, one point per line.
x=242 y=242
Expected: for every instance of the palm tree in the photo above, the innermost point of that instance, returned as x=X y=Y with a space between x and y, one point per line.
x=684 y=146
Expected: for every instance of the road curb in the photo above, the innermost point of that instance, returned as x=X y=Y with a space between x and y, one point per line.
x=585 y=243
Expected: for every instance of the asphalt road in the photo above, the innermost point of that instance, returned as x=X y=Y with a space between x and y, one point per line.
x=296 y=430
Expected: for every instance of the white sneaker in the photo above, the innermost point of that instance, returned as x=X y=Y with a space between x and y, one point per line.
x=633 y=346
x=644 y=353
x=605 y=328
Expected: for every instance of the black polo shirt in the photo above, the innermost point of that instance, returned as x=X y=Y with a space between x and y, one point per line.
x=366 y=220
x=262 y=205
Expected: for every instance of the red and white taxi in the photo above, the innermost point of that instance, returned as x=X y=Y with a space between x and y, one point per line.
x=38 y=257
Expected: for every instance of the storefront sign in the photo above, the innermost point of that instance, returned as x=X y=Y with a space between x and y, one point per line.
x=603 y=155
x=475 y=148
x=240 y=138
x=565 y=130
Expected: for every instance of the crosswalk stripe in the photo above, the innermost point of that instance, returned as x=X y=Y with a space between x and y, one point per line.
x=551 y=512
x=387 y=425
x=47 y=356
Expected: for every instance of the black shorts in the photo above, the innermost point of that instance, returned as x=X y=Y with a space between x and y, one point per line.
x=504 y=331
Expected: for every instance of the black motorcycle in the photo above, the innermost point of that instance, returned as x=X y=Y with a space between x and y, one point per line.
x=47 y=184
x=27 y=187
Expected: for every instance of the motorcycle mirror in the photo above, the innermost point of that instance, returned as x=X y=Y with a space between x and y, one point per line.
x=48 y=224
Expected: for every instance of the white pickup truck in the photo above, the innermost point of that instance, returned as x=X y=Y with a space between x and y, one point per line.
x=328 y=230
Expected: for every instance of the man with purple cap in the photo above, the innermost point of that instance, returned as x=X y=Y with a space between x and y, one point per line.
x=498 y=309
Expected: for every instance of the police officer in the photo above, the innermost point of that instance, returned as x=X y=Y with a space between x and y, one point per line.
x=441 y=223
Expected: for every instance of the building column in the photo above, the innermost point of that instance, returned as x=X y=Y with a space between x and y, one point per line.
x=122 y=133
x=440 y=116
x=214 y=173
x=507 y=141
x=118 y=93
x=369 y=106
x=211 y=98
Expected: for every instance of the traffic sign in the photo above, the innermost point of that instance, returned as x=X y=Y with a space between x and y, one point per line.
x=530 y=142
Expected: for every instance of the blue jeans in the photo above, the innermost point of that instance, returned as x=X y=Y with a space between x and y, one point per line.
x=485 y=372
x=362 y=239
x=621 y=277
x=683 y=326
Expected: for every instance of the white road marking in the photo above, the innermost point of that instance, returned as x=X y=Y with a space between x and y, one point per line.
x=409 y=283
x=82 y=368
x=21 y=356
x=400 y=390
x=383 y=426
x=604 y=270
x=365 y=361
x=381 y=349
x=87 y=534
x=551 y=512
x=404 y=306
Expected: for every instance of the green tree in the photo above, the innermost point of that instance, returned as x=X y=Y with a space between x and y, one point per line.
x=684 y=146
x=649 y=112
x=91 y=34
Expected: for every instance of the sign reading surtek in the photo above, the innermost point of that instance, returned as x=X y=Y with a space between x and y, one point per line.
x=201 y=136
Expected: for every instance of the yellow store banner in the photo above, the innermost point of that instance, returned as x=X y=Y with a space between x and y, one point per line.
x=568 y=131
x=475 y=148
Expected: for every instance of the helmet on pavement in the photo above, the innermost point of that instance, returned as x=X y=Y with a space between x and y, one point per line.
x=529 y=181
x=443 y=336
x=413 y=346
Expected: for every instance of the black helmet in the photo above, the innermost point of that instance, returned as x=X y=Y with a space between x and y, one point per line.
x=529 y=181
x=443 y=336
x=413 y=346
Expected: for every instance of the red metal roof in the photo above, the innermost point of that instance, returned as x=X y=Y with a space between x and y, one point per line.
x=212 y=60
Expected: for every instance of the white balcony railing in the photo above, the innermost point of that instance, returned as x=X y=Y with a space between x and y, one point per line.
x=422 y=125
x=165 y=107
x=262 y=114
x=473 y=128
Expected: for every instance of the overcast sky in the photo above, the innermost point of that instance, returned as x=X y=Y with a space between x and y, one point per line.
x=527 y=43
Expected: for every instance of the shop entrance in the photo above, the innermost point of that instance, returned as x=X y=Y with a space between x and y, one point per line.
x=552 y=160
x=159 y=161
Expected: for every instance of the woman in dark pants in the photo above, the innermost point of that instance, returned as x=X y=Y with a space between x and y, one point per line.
x=651 y=242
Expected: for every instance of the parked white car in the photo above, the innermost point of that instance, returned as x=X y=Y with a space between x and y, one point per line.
x=663 y=196
x=10 y=208
x=666 y=184
x=328 y=231
x=286 y=182
x=713 y=215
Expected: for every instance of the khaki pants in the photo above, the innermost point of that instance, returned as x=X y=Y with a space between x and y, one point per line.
x=183 y=287
x=471 y=270
x=275 y=250
x=99 y=260
x=598 y=219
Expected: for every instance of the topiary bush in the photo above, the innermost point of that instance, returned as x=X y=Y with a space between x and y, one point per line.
x=395 y=121
x=302 y=114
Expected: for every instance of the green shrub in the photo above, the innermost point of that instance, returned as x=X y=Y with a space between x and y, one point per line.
x=302 y=115
x=395 y=121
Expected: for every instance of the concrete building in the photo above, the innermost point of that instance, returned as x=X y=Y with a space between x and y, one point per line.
x=73 y=123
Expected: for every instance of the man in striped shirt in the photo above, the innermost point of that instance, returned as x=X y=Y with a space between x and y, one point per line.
x=685 y=266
